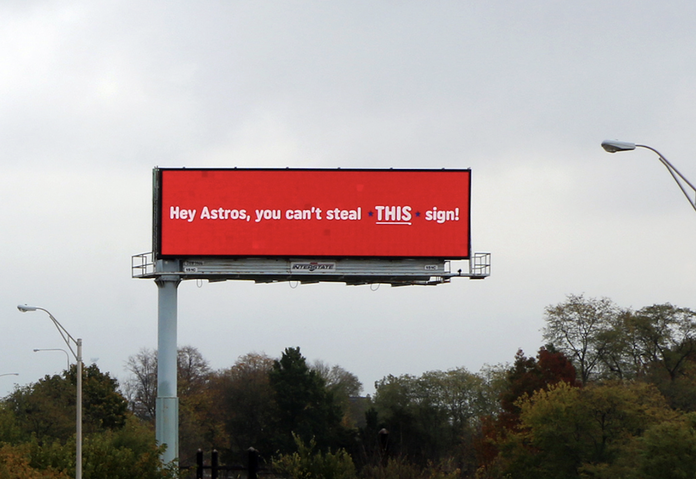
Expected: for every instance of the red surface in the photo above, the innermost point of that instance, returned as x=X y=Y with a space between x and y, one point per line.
x=403 y=213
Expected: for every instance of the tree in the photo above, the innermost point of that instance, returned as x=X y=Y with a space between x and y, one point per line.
x=345 y=388
x=529 y=375
x=435 y=415
x=663 y=336
x=667 y=450
x=305 y=406
x=46 y=409
x=580 y=432
x=141 y=387
x=111 y=454
x=15 y=464
x=244 y=407
x=580 y=328
x=193 y=373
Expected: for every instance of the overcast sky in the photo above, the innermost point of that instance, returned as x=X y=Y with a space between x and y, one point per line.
x=95 y=94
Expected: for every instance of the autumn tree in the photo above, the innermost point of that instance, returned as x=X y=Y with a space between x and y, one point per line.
x=528 y=375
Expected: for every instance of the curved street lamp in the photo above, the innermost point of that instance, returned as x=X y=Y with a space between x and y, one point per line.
x=77 y=353
x=612 y=146
x=9 y=374
x=67 y=356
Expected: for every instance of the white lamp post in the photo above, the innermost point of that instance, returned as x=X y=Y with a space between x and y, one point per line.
x=67 y=356
x=613 y=146
x=77 y=353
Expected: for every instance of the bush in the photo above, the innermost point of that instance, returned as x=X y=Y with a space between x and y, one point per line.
x=306 y=464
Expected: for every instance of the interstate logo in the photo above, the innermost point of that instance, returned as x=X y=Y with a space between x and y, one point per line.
x=312 y=267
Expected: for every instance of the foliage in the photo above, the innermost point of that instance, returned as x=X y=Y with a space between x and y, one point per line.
x=46 y=409
x=15 y=464
x=103 y=406
x=567 y=432
x=305 y=463
x=667 y=450
x=399 y=468
x=656 y=344
x=124 y=454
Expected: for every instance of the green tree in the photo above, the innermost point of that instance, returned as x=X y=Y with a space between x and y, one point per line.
x=304 y=406
x=434 y=416
x=667 y=450
x=569 y=432
x=46 y=409
x=110 y=454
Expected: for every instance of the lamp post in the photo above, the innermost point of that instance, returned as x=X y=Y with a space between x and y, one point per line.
x=77 y=353
x=9 y=374
x=67 y=356
x=685 y=185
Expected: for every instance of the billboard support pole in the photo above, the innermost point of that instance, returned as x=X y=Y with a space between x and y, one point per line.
x=167 y=413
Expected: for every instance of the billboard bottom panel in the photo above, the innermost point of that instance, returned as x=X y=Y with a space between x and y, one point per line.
x=305 y=270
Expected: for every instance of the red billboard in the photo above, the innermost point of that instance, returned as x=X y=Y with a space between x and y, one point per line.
x=312 y=213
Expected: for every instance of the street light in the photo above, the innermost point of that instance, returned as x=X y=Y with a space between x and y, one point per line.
x=67 y=356
x=77 y=353
x=9 y=374
x=613 y=146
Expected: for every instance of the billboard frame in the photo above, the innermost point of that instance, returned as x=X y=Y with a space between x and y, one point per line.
x=158 y=206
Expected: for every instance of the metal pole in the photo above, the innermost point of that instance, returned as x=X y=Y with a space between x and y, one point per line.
x=78 y=439
x=167 y=413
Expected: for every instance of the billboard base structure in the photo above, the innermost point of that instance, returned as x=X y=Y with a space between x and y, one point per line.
x=351 y=271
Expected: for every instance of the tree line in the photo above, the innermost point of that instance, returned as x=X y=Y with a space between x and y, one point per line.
x=612 y=393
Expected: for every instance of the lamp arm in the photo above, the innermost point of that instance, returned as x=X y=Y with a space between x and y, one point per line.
x=67 y=337
x=678 y=177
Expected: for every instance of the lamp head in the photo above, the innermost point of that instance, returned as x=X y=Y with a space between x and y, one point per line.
x=612 y=146
x=24 y=308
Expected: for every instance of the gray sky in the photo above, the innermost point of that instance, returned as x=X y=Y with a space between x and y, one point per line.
x=94 y=94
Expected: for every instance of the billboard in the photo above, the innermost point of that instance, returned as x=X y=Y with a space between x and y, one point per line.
x=312 y=213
